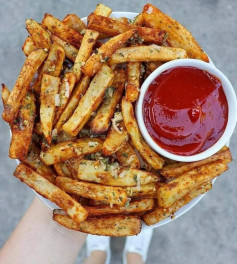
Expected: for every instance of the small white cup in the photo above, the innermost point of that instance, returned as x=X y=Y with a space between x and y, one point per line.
x=231 y=100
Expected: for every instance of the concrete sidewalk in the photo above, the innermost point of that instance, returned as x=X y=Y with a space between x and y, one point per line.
x=206 y=234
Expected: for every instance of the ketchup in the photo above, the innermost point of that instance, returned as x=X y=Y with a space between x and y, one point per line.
x=185 y=110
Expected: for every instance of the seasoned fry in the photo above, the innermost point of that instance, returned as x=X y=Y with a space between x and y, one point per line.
x=39 y=35
x=178 y=35
x=147 y=190
x=130 y=207
x=61 y=30
x=5 y=94
x=177 y=169
x=22 y=128
x=85 y=51
x=147 y=53
x=131 y=125
x=28 y=46
x=101 y=121
x=111 y=174
x=65 y=91
x=112 y=195
x=70 y=51
x=90 y=101
x=177 y=188
x=33 y=160
x=77 y=94
x=69 y=149
x=31 y=65
x=51 y=192
x=160 y=213
x=127 y=157
x=115 y=139
x=96 y=60
x=103 y=10
x=105 y=225
x=72 y=165
x=52 y=66
x=133 y=85
x=74 y=22
x=62 y=137
x=62 y=170
x=49 y=91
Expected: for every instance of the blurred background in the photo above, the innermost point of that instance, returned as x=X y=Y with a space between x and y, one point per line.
x=207 y=233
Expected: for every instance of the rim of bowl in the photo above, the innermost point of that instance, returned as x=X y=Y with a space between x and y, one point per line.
x=231 y=100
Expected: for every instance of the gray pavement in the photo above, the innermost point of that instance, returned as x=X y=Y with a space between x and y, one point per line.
x=207 y=233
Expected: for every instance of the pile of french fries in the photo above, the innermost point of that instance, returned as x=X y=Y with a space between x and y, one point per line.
x=71 y=114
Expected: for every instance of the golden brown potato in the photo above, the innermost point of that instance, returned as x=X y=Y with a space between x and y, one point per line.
x=62 y=170
x=133 y=85
x=5 y=94
x=51 y=192
x=147 y=190
x=74 y=22
x=72 y=165
x=102 y=10
x=28 y=46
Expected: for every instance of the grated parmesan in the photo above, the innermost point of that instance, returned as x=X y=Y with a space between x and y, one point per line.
x=122 y=174
x=149 y=10
x=118 y=117
x=57 y=100
x=92 y=144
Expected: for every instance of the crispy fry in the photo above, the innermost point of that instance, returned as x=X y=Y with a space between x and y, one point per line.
x=178 y=35
x=147 y=190
x=130 y=207
x=22 y=128
x=96 y=60
x=62 y=169
x=133 y=85
x=51 y=192
x=74 y=22
x=177 y=188
x=77 y=94
x=40 y=36
x=69 y=149
x=111 y=174
x=112 y=195
x=85 y=51
x=73 y=165
x=177 y=169
x=103 y=10
x=65 y=91
x=90 y=101
x=70 y=51
x=49 y=91
x=147 y=53
x=28 y=46
x=127 y=157
x=160 y=213
x=31 y=65
x=101 y=121
x=5 y=94
x=105 y=225
x=115 y=139
x=146 y=152
x=138 y=20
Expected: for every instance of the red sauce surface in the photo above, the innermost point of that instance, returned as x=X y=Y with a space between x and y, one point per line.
x=185 y=110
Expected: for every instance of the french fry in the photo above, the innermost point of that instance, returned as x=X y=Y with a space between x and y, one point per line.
x=90 y=101
x=70 y=51
x=138 y=20
x=28 y=46
x=133 y=85
x=65 y=91
x=127 y=157
x=160 y=213
x=178 y=35
x=103 y=10
x=146 y=152
x=22 y=128
x=177 y=169
x=51 y=192
x=101 y=121
x=73 y=165
x=33 y=160
x=147 y=190
x=105 y=225
x=87 y=44
x=38 y=129
x=96 y=60
x=61 y=30
x=40 y=36
x=49 y=91
x=5 y=94
x=31 y=65
x=114 y=27
x=147 y=53
x=172 y=191
x=131 y=207
x=112 y=195
x=77 y=94
x=111 y=174
x=52 y=66
x=62 y=137
x=69 y=149
x=74 y=22
x=62 y=170
x=115 y=139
